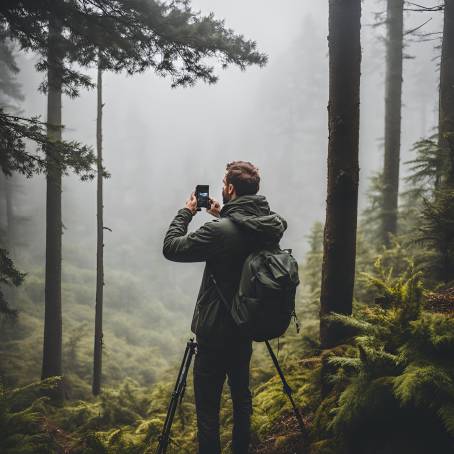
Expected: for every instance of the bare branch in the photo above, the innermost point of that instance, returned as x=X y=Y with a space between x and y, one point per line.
x=409 y=32
x=423 y=9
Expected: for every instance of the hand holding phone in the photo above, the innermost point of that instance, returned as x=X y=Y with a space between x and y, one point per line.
x=215 y=208
x=191 y=203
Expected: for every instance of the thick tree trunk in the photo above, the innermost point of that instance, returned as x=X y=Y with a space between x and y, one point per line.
x=338 y=268
x=393 y=108
x=97 y=360
x=52 y=350
x=446 y=137
x=446 y=113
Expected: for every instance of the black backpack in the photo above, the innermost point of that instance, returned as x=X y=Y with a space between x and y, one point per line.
x=265 y=300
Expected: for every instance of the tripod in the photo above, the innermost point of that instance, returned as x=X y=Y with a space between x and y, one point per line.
x=177 y=396
x=180 y=386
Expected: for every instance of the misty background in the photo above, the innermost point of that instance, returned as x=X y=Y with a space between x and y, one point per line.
x=159 y=143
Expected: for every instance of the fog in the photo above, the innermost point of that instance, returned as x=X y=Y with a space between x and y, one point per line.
x=159 y=142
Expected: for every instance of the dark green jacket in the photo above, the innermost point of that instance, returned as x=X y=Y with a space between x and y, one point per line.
x=246 y=223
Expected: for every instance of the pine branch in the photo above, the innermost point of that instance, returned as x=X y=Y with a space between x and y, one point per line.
x=16 y=157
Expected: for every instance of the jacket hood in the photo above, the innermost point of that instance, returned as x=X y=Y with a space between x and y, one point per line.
x=252 y=213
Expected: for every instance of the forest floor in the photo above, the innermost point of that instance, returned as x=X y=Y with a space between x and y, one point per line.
x=284 y=438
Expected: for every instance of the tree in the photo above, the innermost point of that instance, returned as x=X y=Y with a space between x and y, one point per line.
x=14 y=129
x=429 y=206
x=338 y=268
x=8 y=235
x=97 y=355
x=439 y=227
x=393 y=108
x=52 y=349
x=9 y=276
x=16 y=157
x=446 y=112
x=10 y=93
x=132 y=35
x=10 y=90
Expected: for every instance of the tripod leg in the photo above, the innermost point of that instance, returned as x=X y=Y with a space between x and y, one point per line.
x=163 y=439
x=179 y=388
x=287 y=390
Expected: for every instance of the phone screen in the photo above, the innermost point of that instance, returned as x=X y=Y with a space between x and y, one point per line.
x=202 y=195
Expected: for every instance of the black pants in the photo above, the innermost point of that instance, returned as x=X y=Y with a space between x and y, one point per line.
x=211 y=366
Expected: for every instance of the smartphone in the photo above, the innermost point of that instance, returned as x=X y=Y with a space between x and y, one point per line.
x=202 y=196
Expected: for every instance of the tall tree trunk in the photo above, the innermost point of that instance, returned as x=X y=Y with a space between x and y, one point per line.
x=338 y=270
x=446 y=142
x=446 y=112
x=9 y=214
x=10 y=292
x=97 y=360
x=6 y=204
x=393 y=108
x=2 y=206
x=52 y=350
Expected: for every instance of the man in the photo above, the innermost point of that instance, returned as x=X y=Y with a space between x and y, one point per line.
x=244 y=223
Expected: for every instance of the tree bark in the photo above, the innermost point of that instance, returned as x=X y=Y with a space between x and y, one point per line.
x=339 y=247
x=446 y=110
x=52 y=349
x=445 y=180
x=393 y=108
x=97 y=360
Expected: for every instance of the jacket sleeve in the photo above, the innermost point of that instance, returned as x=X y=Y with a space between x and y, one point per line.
x=197 y=246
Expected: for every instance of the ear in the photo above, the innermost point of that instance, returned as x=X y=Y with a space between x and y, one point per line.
x=231 y=188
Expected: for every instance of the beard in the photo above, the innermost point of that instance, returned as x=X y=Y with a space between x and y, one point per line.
x=225 y=197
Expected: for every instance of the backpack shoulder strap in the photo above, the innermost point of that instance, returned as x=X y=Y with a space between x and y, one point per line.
x=216 y=286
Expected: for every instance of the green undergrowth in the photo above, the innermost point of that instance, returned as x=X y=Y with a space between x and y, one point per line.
x=141 y=335
x=389 y=388
x=128 y=416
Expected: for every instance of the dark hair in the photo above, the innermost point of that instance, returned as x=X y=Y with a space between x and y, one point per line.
x=244 y=176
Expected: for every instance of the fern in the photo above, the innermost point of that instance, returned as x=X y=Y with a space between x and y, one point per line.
x=446 y=414
x=22 y=419
x=402 y=365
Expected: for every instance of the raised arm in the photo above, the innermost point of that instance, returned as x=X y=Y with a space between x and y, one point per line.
x=197 y=246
